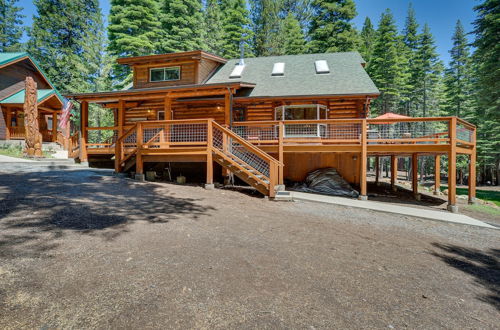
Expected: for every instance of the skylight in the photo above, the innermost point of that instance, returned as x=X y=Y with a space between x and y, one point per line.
x=321 y=67
x=278 y=69
x=237 y=71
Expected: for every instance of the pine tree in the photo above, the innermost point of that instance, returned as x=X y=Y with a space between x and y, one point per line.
x=11 y=29
x=458 y=76
x=294 y=40
x=411 y=39
x=236 y=28
x=487 y=84
x=429 y=69
x=367 y=40
x=331 y=28
x=62 y=39
x=387 y=65
x=213 y=23
x=182 y=26
x=133 y=28
x=267 y=26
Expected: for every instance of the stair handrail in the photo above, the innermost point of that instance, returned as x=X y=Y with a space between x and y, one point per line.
x=274 y=164
x=119 y=149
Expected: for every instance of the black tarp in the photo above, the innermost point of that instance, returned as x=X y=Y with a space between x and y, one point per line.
x=326 y=181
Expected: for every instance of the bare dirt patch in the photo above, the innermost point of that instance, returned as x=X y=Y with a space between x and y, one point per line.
x=84 y=249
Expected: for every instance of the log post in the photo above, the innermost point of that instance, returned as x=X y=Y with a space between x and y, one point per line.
x=414 y=175
x=33 y=137
x=452 y=166
x=280 y=152
x=84 y=123
x=121 y=116
x=139 y=164
x=227 y=109
x=54 y=127
x=472 y=172
x=210 y=164
x=394 y=172
x=363 y=162
x=437 y=174
x=8 y=121
x=377 y=169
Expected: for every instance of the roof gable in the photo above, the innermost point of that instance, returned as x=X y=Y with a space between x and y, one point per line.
x=346 y=77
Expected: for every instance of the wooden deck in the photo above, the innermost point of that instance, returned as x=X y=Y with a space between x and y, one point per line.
x=253 y=143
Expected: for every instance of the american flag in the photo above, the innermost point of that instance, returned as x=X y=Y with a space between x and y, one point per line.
x=66 y=113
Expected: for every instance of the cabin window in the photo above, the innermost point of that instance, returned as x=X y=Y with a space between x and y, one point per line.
x=239 y=114
x=302 y=112
x=161 y=115
x=165 y=74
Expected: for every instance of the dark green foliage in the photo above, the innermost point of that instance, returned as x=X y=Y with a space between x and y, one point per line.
x=293 y=36
x=411 y=39
x=367 y=41
x=63 y=40
x=236 y=28
x=387 y=65
x=182 y=26
x=331 y=29
x=11 y=29
x=458 y=77
x=133 y=27
x=267 y=27
x=214 y=40
x=487 y=85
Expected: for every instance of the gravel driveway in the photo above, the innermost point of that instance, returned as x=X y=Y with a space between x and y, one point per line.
x=84 y=249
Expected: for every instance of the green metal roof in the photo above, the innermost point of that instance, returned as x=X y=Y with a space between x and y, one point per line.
x=18 y=98
x=346 y=77
x=6 y=58
x=9 y=57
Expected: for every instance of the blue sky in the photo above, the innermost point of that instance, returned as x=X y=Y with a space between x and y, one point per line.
x=441 y=15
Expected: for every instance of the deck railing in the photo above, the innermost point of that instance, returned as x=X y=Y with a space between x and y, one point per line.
x=101 y=137
x=348 y=131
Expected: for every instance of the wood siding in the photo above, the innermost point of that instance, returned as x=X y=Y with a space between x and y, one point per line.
x=17 y=72
x=188 y=75
x=3 y=124
x=207 y=68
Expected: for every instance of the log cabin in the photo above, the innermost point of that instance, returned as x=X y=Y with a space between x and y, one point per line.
x=263 y=119
x=14 y=69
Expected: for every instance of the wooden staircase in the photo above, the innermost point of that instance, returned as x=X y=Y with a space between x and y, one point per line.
x=222 y=145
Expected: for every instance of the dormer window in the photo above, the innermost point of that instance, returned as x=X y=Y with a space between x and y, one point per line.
x=170 y=73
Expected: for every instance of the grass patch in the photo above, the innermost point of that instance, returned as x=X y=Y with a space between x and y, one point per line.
x=11 y=151
x=484 y=209
x=487 y=195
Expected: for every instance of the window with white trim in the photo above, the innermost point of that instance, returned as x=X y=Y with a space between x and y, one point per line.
x=170 y=73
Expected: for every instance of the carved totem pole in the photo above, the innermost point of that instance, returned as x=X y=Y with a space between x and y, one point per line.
x=33 y=138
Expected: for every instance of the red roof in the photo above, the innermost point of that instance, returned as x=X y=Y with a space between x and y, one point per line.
x=390 y=115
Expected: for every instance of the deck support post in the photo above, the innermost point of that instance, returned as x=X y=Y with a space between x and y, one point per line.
x=394 y=172
x=280 y=152
x=227 y=109
x=452 y=167
x=437 y=174
x=8 y=121
x=121 y=116
x=210 y=164
x=139 y=164
x=377 y=169
x=414 y=175
x=84 y=123
x=363 y=162
x=472 y=172
x=54 y=127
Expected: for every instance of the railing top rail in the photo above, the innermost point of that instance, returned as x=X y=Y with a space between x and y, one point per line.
x=126 y=134
x=409 y=119
x=101 y=128
x=247 y=144
x=178 y=121
x=314 y=121
x=466 y=123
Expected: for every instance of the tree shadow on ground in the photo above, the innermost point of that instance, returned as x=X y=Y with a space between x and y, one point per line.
x=383 y=193
x=483 y=265
x=37 y=208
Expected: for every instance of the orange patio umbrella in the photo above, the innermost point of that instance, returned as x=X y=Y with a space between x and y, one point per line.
x=390 y=115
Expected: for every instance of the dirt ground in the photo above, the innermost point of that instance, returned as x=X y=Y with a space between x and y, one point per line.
x=85 y=249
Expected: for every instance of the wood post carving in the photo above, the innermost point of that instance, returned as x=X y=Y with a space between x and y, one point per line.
x=33 y=138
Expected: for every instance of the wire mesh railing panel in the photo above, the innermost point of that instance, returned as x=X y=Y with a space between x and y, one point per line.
x=305 y=130
x=252 y=159
x=464 y=133
x=172 y=133
x=101 y=138
x=408 y=130
x=342 y=131
x=130 y=141
x=257 y=133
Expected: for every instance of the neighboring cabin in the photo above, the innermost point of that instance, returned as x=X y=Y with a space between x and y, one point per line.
x=14 y=68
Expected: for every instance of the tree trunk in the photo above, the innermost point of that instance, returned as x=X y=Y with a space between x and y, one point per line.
x=33 y=138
